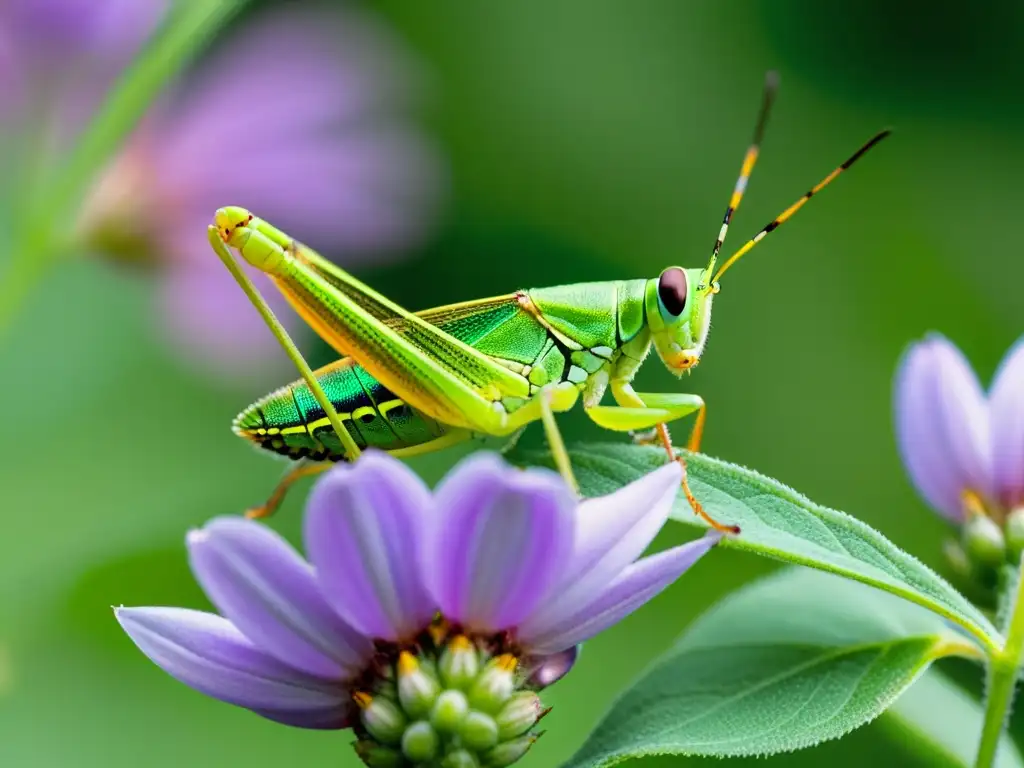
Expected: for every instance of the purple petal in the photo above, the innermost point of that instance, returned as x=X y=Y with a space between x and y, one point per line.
x=637 y=584
x=111 y=29
x=332 y=161
x=548 y=670
x=500 y=541
x=330 y=69
x=208 y=653
x=362 y=193
x=611 y=532
x=363 y=531
x=334 y=719
x=1007 y=412
x=271 y=595
x=942 y=425
x=67 y=54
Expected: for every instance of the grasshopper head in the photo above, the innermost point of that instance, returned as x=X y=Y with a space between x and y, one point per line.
x=678 y=307
x=256 y=240
x=232 y=224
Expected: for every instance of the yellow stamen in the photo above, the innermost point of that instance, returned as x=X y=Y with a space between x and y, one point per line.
x=460 y=644
x=973 y=505
x=407 y=663
x=362 y=699
x=438 y=629
x=507 y=662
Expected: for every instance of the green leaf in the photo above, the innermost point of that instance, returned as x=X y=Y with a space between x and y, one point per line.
x=941 y=721
x=778 y=522
x=790 y=661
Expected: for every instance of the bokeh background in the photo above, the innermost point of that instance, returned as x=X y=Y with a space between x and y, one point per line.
x=582 y=140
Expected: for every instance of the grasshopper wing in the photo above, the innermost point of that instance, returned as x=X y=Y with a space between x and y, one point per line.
x=422 y=364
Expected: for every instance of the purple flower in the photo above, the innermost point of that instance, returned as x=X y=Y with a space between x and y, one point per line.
x=438 y=614
x=516 y=552
x=964 y=451
x=300 y=116
x=59 y=57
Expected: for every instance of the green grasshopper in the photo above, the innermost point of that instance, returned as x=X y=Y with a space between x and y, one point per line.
x=410 y=383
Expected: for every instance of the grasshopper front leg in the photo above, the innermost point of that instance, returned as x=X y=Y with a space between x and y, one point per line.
x=639 y=411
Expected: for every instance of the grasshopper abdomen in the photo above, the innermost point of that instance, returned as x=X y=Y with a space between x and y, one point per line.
x=290 y=422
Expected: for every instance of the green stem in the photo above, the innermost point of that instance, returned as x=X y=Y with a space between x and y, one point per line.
x=352 y=451
x=24 y=272
x=50 y=213
x=1003 y=671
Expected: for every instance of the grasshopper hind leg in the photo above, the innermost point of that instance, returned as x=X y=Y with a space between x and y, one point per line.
x=302 y=469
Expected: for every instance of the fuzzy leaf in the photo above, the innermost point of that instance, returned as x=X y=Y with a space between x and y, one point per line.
x=790 y=661
x=778 y=522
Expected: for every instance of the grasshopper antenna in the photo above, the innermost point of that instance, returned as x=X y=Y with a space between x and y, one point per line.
x=771 y=87
x=786 y=214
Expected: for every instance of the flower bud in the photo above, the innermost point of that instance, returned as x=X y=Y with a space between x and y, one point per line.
x=460 y=759
x=460 y=663
x=983 y=541
x=508 y=752
x=377 y=756
x=494 y=685
x=420 y=742
x=956 y=557
x=520 y=714
x=1015 y=533
x=478 y=731
x=449 y=710
x=381 y=717
x=115 y=220
x=417 y=689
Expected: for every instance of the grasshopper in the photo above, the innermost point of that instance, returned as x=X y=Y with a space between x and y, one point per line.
x=410 y=383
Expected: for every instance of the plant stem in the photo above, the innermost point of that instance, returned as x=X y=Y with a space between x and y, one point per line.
x=25 y=270
x=1003 y=670
x=50 y=210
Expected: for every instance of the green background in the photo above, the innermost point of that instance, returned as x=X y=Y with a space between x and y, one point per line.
x=586 y=140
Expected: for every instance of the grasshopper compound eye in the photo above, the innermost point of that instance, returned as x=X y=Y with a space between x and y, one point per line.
x=672 y=290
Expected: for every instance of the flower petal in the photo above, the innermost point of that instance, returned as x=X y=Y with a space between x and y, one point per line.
x=637 y=584
x=262 y=585
x=548 y=670
x=363 y=532
x=334 y=719
x=208 y=653
x=1007 y=413
x=611 y=532
x=500 y=540
x=942 y=425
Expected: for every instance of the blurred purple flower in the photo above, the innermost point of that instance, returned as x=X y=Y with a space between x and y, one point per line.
x=964 y=451
x=59 y=57
x=495 y=578
x=300 y=115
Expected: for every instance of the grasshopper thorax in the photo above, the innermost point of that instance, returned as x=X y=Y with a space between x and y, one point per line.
x=678 y=308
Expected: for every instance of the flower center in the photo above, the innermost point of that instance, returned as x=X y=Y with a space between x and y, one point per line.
x=972 y=503
x=450 y=699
